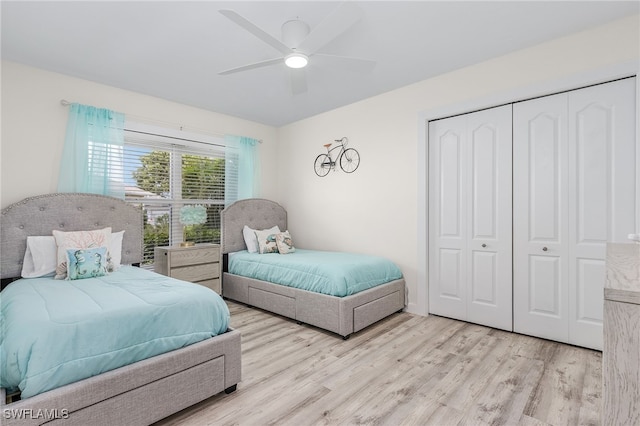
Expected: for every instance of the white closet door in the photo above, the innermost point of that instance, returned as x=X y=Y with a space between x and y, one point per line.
x=470 y=217
x=447 y=217
x=574 y=190
x=540 y=217
x=602 y=197
x=489 y=227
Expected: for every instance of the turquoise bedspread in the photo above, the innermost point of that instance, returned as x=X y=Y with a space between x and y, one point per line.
x=334 y=273
x=58 y=332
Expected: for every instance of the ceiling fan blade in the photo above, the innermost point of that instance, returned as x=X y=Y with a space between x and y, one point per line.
x=298 y=81
x=252 y=66
x=256 y=31
x=340 y=20
x=345 y=62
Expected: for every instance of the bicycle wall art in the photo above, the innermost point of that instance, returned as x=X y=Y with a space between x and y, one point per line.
x=348 y=158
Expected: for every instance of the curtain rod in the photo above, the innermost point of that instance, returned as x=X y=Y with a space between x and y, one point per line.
x=65 y=102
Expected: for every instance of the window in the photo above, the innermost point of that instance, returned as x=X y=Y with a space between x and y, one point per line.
x=164 y=171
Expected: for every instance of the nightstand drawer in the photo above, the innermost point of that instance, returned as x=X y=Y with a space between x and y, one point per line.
x=205 y=271
x=212 y=284
x=194 y=256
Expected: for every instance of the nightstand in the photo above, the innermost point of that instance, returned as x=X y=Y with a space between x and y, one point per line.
x=199 y=264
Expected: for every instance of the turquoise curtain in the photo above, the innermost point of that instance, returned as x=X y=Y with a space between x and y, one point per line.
x=92 y=159
x=241 y=168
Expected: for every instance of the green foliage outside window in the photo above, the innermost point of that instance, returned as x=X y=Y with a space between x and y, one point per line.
x=202 y=179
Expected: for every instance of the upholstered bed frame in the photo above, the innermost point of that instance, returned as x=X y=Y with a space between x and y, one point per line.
x=341 y=315
x=137 y=394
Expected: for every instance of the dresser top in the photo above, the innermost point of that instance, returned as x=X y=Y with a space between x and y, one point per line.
x=194 y=247
x=623 y=273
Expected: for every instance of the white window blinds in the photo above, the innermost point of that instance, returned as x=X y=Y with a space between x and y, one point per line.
x=168 y=173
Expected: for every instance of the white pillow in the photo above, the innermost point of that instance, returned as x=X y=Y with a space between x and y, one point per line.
x=40 y=258
x=115 y=250
x=78 y=240
x=251 y=240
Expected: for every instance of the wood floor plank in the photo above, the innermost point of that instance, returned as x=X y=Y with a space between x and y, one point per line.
x=506 y=394
x=530 y=421
x=389 y=393
x=472 y=373
x=591 y=399
x=403 y=370
x=558 y=396
x=465 y=338
x=434 y=413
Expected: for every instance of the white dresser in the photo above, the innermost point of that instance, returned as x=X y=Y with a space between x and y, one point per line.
x=621 y=353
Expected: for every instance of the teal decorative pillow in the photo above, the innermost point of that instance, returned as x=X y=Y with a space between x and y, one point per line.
x=285 y=243
x=78 y=240
x=86 y=263
x=267 y=241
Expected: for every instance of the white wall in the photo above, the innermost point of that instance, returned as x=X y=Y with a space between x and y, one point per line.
x=381 y=208
x=34 y=125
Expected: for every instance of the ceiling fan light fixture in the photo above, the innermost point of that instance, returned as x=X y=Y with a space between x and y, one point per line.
x=296 y=60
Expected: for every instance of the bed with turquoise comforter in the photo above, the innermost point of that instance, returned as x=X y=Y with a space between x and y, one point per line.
x=333 y=273
x=56 y=332
x=336 y=291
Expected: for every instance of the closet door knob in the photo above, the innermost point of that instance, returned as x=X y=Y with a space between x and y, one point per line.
x=484 y=245
x=544 y=249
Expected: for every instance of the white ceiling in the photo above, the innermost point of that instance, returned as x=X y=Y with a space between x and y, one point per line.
x=174 y=50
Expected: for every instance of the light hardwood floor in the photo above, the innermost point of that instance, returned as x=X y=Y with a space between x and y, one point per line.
x=404 y=370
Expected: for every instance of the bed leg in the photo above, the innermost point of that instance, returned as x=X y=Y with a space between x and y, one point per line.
x=230 y=389
x=346 y=337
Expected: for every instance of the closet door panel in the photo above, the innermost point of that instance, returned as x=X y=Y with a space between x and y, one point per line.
x=489 y=217
x=484 y=279
x=602 y=176
x=542 y=154
x=470 y=228
x=484 y=159
x=451 y=181
x=447 y=218
x=450 y=285
x=540 y=217
x=603 y=125
x=544 y=289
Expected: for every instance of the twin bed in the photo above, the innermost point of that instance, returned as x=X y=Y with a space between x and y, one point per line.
x=103 y=378
x=351 y=308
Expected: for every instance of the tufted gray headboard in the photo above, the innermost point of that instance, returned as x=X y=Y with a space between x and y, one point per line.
x=66 y=212
x=256 y=213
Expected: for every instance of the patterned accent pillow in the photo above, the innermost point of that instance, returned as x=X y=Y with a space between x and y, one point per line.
x=267 y=241
x=250 y=239
x=78 y=240
x=86 y=263
x=285 y=243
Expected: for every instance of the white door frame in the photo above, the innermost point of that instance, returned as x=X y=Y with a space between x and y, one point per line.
x=560 y=84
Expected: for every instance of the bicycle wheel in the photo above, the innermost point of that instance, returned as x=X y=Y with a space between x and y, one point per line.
x=349 y=160
x=322 y=165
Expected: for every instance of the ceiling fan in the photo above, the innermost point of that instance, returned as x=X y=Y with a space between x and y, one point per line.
x=299 y=46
